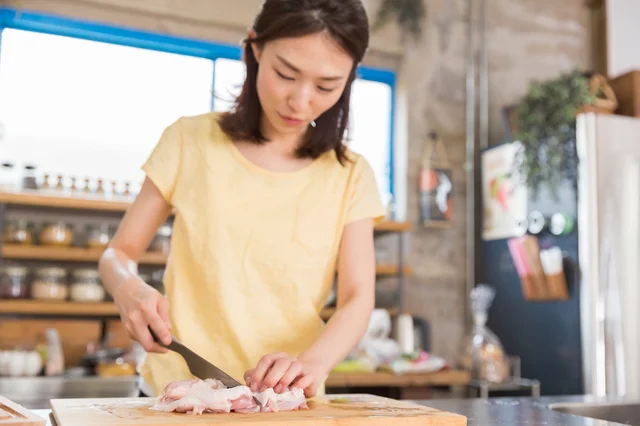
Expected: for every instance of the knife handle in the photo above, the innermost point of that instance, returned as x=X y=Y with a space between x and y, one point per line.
x=158 y=341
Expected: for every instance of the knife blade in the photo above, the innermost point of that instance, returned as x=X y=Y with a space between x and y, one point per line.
x=199 y=367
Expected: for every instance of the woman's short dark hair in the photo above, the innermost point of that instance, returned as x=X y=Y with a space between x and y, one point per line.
x=346 y=21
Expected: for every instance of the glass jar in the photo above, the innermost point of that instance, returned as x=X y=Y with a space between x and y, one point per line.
x=18 y=232
x=162 y=241
x=29 y=179
x=50 y=283
x=7 y=176
x=56 y=234
x=13 y=283
x=86 y=287
x=98 y=236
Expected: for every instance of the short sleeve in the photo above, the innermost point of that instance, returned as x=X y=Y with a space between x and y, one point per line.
x=163 y=164
x=364 y=197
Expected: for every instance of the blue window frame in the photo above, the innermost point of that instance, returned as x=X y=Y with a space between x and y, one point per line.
x=61 y=26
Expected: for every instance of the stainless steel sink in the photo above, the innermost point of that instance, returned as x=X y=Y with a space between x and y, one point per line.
x=624 y=412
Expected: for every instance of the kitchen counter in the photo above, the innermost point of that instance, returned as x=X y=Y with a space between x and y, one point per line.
x=527 y=411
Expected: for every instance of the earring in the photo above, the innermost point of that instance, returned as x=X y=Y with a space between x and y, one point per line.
x=313 y=123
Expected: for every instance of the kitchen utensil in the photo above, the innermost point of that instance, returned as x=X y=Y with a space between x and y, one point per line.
x=326 y=410
x=198 y=366
x=14 y=414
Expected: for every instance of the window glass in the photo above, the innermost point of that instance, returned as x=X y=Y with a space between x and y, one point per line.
x=89 y=109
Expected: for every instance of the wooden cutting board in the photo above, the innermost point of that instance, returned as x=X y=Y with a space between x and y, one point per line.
x=12 y=414
x=334 y=410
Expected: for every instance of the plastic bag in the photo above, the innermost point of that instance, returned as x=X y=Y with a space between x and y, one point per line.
x=484 y=356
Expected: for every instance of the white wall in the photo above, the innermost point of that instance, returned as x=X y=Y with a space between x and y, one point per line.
x=623 y=36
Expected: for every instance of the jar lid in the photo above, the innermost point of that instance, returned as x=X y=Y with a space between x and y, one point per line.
x=14 y=270
x=165 y=231
x=52 y=271
x=86 y=273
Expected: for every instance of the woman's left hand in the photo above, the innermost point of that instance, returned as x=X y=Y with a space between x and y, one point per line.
x=280 y=371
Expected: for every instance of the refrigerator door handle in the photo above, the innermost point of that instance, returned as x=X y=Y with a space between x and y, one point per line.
x=610 y=303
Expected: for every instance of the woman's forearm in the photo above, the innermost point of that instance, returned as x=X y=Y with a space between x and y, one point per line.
x=342 y=333
x=116 y=268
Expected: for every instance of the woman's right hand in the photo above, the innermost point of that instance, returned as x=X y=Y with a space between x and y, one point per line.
x=142 y=306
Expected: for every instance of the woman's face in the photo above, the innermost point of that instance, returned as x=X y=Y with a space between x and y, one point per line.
x=299 y=79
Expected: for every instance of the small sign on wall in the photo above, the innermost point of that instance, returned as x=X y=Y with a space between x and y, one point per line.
x=504 y=195
x=435 y=184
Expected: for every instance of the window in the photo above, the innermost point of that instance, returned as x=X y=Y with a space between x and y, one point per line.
x=90 y=109
x=78 y=98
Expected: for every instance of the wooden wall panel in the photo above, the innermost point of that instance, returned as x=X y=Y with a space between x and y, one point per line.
x=117 y=336
x=74 y=335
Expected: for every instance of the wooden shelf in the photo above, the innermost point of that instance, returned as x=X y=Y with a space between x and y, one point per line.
x=116 y=204
x=439 y=378
x=328 y=312
x=391 y=270
x=388 y=226
x=77 y=254
x=37 y=307
x=53 y=199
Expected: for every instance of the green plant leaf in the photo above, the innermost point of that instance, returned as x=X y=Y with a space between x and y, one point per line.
x=546 y=128
x=408 y=14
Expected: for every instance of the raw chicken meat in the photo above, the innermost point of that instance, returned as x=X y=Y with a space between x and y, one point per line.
x=211 y=396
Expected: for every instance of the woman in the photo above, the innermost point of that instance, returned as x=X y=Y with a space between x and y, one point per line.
x=266 y=199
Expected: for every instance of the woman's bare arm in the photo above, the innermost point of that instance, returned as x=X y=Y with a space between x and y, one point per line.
x=140 y=305
x=356 y=299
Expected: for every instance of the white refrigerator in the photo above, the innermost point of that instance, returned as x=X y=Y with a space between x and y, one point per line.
x=609 y=252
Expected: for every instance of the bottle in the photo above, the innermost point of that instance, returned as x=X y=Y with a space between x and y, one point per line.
x=45 y=181
x=100 y=188
x=404 y=333
x=55 y=356
x=7 y=176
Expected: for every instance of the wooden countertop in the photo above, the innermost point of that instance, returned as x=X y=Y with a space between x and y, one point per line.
x=440 y=378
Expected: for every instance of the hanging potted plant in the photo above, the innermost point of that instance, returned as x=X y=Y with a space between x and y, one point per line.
x=408 y=14
x=545 y=125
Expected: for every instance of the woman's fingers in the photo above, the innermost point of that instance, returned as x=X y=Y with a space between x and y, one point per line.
x=304 y=382
x=163 y=311
x=295 y=370
x=247 y=376
x=279 y=368
x=159 y=328
x=262 y=368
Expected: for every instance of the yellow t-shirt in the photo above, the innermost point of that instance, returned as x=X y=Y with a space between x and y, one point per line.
x=253 y=251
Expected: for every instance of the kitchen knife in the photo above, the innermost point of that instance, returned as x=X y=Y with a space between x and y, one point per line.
x=199 y=367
